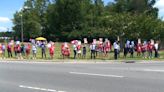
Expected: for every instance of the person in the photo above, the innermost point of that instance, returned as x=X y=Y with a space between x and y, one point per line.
x=3 y=51
x=84 y=51
x=131 y=49
x=116 y=49
x=93 y=51
x=34 y=50
x=144 y=49
x=9 y=50
x=156 y=48
x=79 y=51
x=23 y=49
x=15 y=50
x=67 y=52
x=18 y=47
x=43 y=48
x=51 y=50
x=119 y=49
x=28 y=49
x=62 y=50
x=74 y=50
x=100 y=48
x=107 y=48
x=150 y=49
x=125 y=51
x=139 y=49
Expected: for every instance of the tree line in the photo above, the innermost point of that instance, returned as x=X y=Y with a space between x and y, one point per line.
x=65 y=20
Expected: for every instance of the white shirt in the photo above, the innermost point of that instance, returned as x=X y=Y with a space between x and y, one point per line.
x=34 y=47
x=93 y=47
x=74 y=47
x=116 y=46
x=156 y=46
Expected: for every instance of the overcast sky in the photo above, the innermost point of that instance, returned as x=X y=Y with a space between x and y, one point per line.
x=9 y=7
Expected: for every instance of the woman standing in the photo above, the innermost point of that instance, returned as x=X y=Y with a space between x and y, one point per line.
x=28 y=48
x=1 y=51
x=9 y=50
x=51 y=50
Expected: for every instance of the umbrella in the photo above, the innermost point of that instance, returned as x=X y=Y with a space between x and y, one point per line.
x=41 y=39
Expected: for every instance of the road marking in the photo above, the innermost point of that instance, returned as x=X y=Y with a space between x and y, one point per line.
x=92 y=74
x=153 y=70
x=41 y=89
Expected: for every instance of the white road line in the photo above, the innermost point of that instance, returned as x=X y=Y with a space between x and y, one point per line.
x=153 y=70
x=41 y=89
x=92 y=74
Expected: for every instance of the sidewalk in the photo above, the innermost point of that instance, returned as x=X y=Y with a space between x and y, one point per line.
x=82 y=61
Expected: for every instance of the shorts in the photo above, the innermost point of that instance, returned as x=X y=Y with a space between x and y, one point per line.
x=34 y=51
x=28 y=52
x=79 y=51
x=1 y=51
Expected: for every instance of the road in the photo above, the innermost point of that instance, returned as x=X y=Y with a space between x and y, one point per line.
x=79 y=77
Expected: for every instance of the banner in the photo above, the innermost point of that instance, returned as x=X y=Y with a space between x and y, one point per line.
x=94 y=41
x=85 y=40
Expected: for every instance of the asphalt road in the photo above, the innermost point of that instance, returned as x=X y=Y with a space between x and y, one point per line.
x=75 y=77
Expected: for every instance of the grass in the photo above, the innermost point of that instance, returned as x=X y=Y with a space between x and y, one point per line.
x=57 y=55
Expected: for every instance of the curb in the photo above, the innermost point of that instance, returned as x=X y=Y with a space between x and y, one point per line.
x=83 y=61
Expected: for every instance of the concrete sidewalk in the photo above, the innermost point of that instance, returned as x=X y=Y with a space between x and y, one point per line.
x=82 y=61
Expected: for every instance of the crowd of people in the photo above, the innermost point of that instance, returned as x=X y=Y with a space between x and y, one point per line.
x=96 y=49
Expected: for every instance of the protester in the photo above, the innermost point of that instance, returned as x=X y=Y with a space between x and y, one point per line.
x=107 y=48
x=18 y=47
x=139 y=49
x=144 y=49
x=156 y=48
x=15 y=50
x=34 y=50
x=100 y=48
x=9 y=50
x=3 y=51
x=79 y=49
x=65 y=50
x=93 y=51
x=150 y=48
x=74 y=50
x=125 y=50
x=116 y=49
x=23 y=49
x=84 y=52
x=51 y=50
x=131 y=49
x=119 y=49
x=27 y=49
x=43 y=50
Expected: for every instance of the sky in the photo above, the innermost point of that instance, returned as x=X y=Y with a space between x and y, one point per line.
x=9 y=7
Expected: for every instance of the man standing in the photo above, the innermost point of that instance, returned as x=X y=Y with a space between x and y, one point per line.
x=93 y=50
x=156 y=50
x=116 y=48
x=43 y=47
x=75 y=50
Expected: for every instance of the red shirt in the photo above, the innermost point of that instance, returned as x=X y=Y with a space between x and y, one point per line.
x=139 y=48
x=52 y=49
